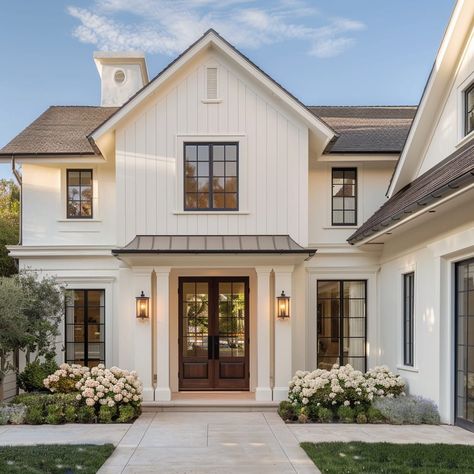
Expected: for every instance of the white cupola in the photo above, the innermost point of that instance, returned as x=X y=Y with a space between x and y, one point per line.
x=122 y=74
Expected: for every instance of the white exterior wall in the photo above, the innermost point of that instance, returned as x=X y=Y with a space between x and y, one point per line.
x=372 y=182
x=448 y=133
x=44 y=206
x=273 y=158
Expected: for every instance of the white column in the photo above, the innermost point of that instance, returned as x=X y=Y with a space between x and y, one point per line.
x=283 y=346
x=263 y=391
x=162 y=391
x=143 y=341
x=124 y=323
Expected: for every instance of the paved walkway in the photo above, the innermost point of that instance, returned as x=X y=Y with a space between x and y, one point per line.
x=216 y=442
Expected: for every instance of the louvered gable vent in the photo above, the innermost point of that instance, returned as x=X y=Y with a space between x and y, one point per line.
x=212 y=83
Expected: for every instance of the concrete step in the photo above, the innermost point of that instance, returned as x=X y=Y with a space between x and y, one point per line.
x=209 y=405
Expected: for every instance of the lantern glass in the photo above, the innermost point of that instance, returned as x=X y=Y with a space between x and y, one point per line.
x=143 y=306
x=283 y=302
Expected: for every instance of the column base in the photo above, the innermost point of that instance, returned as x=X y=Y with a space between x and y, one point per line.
x=280 y=394
x=263 y=394
x=148 y=394
x=163 y=394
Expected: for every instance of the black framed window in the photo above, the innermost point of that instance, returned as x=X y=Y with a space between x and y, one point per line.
x=85 y=327
x=79 y=194
x=211 y=175
x=408 y=319
x=344 y=196
x=342 y=323
x=469 y=110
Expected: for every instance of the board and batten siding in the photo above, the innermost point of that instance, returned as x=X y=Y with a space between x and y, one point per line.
x=273 y=158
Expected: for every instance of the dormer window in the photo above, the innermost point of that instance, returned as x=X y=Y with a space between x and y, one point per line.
x=469 y=110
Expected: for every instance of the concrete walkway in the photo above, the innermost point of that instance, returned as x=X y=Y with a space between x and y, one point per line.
x=219 y=442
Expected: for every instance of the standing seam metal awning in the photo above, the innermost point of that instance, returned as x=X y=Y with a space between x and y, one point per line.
x=218 y=244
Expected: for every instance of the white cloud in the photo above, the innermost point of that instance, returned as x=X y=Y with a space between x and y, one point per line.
x=169 y=26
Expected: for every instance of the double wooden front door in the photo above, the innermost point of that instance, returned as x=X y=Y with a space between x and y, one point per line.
x=213 y=333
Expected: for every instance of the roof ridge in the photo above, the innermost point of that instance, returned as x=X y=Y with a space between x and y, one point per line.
x=84 y=106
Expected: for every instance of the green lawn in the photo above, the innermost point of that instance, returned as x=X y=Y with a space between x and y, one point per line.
x=54 y=458
x=380 y=458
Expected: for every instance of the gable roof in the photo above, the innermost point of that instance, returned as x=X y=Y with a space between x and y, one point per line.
x=446 y=178
x=458 y=29
x=211 y=37
x=60 y=130
x=367 y=129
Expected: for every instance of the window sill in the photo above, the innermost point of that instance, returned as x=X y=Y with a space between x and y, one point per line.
x=407 y=368
x=211 y=101
x=79 y=220
x=465 y=139
x=341 y=227
x=211 y=213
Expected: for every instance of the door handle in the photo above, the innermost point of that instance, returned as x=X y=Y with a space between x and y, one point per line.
x=216 y=348
x=210 y=347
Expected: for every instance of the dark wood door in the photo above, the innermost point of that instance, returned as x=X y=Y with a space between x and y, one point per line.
x=213 y=333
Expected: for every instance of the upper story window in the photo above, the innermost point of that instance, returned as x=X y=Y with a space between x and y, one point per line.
x=469 y=110
x=344 y=196
x=211 y=176
x=79 y=194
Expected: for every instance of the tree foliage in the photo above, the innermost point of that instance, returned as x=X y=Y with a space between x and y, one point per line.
x=9 y=224
x=31 y=309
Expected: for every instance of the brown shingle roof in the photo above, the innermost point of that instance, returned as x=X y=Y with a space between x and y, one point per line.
x=366 y=129
x=447 y=177
x=59 y=130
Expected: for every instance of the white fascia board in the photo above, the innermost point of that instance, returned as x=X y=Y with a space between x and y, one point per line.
x=32 y=159
x=211 y=38
x=358 y=157
x=454 y=38
x=40 y=251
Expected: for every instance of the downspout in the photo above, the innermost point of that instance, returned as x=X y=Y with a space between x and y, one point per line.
x=19 y=180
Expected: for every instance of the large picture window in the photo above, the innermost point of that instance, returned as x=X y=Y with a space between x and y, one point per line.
x=344 y=196
x=408 y=318
x=85 y=327
x=79 y=194
x=211 y=176
x=469 y=110
x=342 y=316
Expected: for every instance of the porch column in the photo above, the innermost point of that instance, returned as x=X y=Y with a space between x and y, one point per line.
x=162 y=391
x=263 y=391
x=283 y=346
x=142 y=346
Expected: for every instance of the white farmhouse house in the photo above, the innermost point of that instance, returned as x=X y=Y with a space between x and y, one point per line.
x=216 y=234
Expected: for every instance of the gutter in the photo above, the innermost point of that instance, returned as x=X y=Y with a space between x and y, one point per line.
x=19 y=180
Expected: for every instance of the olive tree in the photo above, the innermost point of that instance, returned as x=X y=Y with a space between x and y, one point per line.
x=31 y=309
x=13 y=323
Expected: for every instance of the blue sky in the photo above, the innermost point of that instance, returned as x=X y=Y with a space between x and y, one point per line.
x=326 y=52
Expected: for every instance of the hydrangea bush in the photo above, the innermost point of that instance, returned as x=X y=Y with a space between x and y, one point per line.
x=109 y=387
x=64 y=380
x=343 y=386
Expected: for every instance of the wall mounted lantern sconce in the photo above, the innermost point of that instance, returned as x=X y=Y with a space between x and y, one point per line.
x=143 y=306
x=283 y=304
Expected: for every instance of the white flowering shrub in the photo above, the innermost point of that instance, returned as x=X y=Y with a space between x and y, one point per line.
x=343 y=386
x=111 y=387
x=65 y=378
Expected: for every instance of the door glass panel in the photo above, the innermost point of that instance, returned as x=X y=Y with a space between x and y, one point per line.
x=465 y=342
x=195 y=319
x=231 y=319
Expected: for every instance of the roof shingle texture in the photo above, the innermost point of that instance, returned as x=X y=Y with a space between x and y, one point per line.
x=378 y=129
x=59 y=130
x=64 y=129
x=447 y=177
